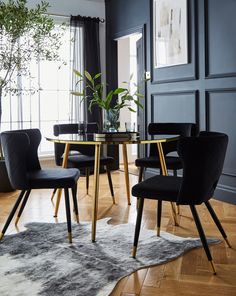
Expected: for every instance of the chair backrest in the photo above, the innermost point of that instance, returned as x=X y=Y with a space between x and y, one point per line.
x=182 y=129
x=72 y=128
x=20 y=149
x=203 y=159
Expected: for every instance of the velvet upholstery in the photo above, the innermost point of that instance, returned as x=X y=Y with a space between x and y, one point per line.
x=85 y=156
x=22 y=160
x=20 y=151
x=81 y=156
x=170 y=128
x=53 y=178
x=203 y=159
x=83 y=161
x=21 y=156
x=158 y=187
x=172 y=162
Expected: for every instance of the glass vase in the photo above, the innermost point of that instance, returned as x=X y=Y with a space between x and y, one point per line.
x=112 y=122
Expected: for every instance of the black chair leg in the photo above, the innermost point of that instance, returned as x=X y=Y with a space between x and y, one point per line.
x=217 y=222
x=17 y=203
x=159 y=209
x=74 y=196
x=87 y=171
x=68 y=216
x=202 y=236
x=177 y=206
x=110 y=184
x=140 y=177
x=22 y=206
x=138 y=225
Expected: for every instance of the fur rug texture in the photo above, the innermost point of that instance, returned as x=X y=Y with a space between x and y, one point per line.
x=40 y=261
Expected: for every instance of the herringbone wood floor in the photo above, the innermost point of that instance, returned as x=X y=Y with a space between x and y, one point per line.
x=187 y=275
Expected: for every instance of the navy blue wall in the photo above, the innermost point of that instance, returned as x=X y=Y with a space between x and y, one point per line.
x=204 y=90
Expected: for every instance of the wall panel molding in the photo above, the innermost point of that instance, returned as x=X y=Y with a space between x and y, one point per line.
x=217 y=50
x=179 y=95
x=202 y=91
x=220 y=102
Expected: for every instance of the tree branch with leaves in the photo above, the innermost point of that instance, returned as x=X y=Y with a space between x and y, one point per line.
x=25 y=34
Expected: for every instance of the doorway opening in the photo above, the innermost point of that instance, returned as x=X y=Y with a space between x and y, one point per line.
x=130 y=69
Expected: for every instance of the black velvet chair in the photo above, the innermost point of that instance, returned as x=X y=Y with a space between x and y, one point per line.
x=25 y=173
x=203 y=159
x=84 y=158
x=172 y=162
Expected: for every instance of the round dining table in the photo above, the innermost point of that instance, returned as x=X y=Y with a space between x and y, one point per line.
x=91 y=139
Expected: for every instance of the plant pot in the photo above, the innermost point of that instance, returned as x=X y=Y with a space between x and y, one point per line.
x=5 y=185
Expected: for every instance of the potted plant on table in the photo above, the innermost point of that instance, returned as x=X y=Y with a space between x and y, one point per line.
x=111 y=104
x=25 y=34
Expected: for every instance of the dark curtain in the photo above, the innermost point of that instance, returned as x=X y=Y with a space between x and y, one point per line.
x=77 y=107
x=92 y=62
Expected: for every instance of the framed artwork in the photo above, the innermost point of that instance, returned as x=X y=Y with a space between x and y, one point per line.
x=170 y=33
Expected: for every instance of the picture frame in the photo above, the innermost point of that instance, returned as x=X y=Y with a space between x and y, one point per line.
x=170 y=33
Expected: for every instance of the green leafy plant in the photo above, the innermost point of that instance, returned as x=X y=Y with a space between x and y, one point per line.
x=25 y=34
x=93 y=92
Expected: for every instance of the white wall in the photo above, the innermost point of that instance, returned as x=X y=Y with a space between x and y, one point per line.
x=93 y=8
x=124 y=75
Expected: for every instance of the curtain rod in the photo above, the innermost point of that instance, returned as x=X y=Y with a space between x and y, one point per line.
x=101 y=20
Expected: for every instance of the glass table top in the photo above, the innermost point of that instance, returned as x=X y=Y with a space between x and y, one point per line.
x=94 y=139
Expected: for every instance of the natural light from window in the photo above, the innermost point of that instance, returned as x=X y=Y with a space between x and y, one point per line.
x=49 y=103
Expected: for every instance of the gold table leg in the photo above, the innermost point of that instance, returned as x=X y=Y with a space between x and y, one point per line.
x=96 y=190
x=64 y=165
x=126 y=169
x=165 y=173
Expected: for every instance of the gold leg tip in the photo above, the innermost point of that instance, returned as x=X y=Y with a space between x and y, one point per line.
x=70 y=237
x=228 y=243
x=1 y=235
x=129 y=203
x=77 y=218
x=158 y=231
x=213 y=267
x=134 y=252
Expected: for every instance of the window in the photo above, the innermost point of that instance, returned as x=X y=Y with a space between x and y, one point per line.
x=51 y=101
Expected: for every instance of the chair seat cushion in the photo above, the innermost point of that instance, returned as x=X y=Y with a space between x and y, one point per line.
x=158 y=187
x=83 y=161
x=172 y=162
x=53 y=178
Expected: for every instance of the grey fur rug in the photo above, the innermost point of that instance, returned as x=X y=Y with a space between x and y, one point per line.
x=39 y=261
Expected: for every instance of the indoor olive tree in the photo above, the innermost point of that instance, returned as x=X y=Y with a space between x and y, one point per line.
x=25 y=34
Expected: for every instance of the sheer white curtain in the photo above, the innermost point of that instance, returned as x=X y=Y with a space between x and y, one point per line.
x=51 y=101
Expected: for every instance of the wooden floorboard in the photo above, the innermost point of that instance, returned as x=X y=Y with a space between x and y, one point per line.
x=189 y=274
